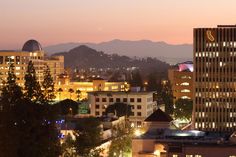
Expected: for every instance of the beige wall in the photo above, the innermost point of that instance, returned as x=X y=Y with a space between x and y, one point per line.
x=147 y=104
x=181 y=83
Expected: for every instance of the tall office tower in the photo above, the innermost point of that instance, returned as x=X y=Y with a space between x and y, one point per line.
x=215 y=78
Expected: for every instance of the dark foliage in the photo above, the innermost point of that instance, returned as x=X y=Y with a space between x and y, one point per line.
x=152 y=82
x=27 y=127
x=48 y=86
x=67 y=107
x=119 y=109
x=183 y=109
x=88 y=136
x=32 y=87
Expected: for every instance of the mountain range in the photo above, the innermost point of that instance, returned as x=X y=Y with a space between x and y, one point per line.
x=141 y=48
x=84 y=57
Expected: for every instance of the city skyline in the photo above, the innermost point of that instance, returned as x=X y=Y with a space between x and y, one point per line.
x=54 y=22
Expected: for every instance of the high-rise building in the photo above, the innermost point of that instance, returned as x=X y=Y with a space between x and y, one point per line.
x=181 y=79
x=215 y=78
x=31 y=51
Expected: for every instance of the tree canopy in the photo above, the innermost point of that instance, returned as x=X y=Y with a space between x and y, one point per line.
x=136 y=79
x=48 y=85
x=67 y=107
x=88 y=137
x=27 y=127
x=152 y=82
x=183 y=109
x=32 y=87
x=165 y=96
x=119 y=109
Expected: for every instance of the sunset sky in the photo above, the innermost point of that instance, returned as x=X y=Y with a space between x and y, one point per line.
x=59 y=21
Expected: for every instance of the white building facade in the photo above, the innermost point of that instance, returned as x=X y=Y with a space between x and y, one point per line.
x=142 y=104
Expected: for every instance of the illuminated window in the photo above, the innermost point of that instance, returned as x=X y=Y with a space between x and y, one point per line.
x=185 y=91
x=185 y=97
x=184 y=84
x=197 y=156
x=17 y=68
x=174 y=155
x=189 y=156
x=221 y=64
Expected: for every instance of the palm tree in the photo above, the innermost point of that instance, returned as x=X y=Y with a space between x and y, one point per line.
x=71 y=91
x=78 y=92
x=59 y=92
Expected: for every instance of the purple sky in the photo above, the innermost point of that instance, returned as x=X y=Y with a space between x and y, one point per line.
x=59 y=21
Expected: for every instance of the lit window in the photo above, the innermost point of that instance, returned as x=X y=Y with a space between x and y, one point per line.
x=198 y=156
x=174 y=155
x=184 y=84
x=221 y=64
x=213 y=125
x=185 y=91
x=185 y=97
x=189 y=156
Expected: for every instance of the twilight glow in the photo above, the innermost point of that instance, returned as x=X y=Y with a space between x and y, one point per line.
x=58 y=21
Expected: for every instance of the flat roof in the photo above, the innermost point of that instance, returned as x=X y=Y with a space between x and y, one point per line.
x=121 y=92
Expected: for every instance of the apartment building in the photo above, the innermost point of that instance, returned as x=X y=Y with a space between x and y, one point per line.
x=142 y=104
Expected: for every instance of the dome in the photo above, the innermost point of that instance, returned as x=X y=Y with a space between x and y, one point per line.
x=32 y=46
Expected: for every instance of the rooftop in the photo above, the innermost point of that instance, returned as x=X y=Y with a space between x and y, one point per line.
x=158 y=116
x=121 y=92
x=32 y=46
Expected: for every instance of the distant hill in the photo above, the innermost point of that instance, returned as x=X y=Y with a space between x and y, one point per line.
x=85 y=57
x=142 y=48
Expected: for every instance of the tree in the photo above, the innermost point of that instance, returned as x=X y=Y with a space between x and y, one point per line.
x=11 y=96
x=152 y=82
x=11 y=92
x=66 y=107
x=136 y=80
x=119 y=109
x=60 y=90
x=71 y=91
x=48 y=86
x=121 y=143
x=183 y=109
x=88 y=137
x=27 y=128
x=78 y=92
x=165 y=95
x=68 y=147
x=36 y=130
x=32 y=87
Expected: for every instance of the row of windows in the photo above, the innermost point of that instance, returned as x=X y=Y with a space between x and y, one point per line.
x=97 y=113
x=213 y=125
x=139 y=107
x=175 y=155
x=118 y=100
